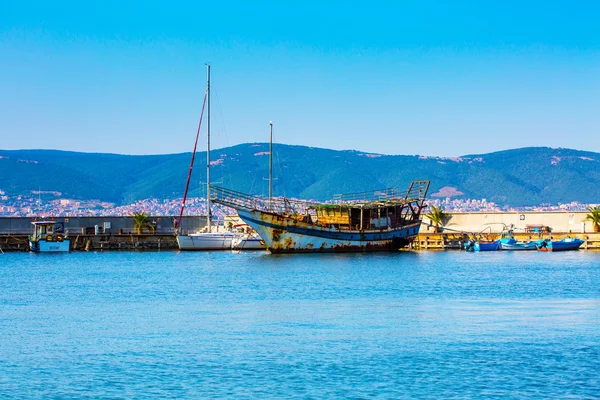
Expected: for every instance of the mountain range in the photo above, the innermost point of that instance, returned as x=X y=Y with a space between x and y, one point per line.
x=519 y=177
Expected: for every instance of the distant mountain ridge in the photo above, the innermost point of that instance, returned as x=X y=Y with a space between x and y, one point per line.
x=519 y=177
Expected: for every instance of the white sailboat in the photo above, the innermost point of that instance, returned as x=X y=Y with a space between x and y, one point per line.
x=210 y=238
x=248 y=241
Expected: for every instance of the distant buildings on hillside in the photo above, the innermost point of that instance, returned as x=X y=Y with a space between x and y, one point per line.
x=24 y=206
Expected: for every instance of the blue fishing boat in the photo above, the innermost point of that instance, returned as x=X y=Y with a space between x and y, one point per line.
x=514 y=245
x=508 y=242
x=560 y=245
x=487 y=246
x=481 y=245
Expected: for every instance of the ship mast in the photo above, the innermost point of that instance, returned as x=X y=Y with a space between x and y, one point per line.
x=208 y=214
x=271 y=166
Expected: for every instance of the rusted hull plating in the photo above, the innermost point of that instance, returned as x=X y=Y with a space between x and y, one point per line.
x=287 y=235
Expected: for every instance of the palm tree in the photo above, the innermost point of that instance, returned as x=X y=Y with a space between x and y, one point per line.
x=437 y=217
x=141 y=221
x=594 y=216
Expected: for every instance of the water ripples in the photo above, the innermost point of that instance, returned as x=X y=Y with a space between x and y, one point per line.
x=191 y=325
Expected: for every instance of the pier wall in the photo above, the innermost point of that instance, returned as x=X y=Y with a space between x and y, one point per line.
x=106 y=225
x=455 y=241
x=120 y=233
x=472 y=222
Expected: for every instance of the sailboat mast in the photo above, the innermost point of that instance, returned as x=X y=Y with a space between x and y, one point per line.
x=208 y=213
x=271 y=166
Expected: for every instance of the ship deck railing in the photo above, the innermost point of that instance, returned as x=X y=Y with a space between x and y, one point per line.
x=239 y=200
x=416 y=192
x=283 y=205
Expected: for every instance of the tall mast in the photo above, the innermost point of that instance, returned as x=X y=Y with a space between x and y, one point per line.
x=271 y=166
x=208 y=214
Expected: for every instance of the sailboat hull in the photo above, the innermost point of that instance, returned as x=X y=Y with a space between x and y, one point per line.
x=288 y=235
x=248 y=242
x=205 y=241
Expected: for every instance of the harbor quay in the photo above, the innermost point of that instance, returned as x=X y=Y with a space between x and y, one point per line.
x=459 y=227
x=102 y=233
x=119 y=233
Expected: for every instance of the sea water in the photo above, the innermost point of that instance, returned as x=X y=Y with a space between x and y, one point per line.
x=254 y=325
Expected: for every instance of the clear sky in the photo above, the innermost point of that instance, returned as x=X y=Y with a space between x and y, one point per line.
x=402 y=77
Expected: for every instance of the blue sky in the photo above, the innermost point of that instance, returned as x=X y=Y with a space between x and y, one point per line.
x=404 y=77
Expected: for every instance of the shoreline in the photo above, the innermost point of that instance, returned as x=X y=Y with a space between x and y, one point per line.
x=425 y=241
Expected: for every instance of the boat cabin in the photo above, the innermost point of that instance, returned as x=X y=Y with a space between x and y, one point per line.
x=361 y=217
x=48 y=230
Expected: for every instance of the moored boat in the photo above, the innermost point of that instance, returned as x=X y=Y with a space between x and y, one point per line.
x=487 y=246
x=206 y=241
x=210 y=238
x=49 y=237
x=513 y=245
x=482 y=245
x=508 y=242
x=560 y=245
x=382 y=220
x=248 y=241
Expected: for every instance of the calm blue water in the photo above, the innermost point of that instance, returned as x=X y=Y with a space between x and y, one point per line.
x=197 y=325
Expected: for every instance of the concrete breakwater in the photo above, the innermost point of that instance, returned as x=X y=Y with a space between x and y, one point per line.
x=102 y=233
x=525 y=226
x=100 y=242
x=132 y=241
x=119 y=233
x=448 y=241
x=102 y=225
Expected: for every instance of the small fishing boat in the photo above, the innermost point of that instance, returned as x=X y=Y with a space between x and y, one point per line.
x=513 y=245
x=49 y=237
x=508 y=242
x=487 y=246
x=482 y=245
x=560 y=245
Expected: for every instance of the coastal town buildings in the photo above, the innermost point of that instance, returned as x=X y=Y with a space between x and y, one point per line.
x=34 y=205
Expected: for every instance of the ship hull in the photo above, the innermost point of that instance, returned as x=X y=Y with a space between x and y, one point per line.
x=42 y=246
x=562 y=245
x=205 y=241
x=288 y=235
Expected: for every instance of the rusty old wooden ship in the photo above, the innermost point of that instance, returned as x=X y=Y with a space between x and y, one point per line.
x=380 y=220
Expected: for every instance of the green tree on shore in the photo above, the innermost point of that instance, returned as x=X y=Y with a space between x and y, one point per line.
x=594 y=216
x=141 y=221
x=437 y=217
